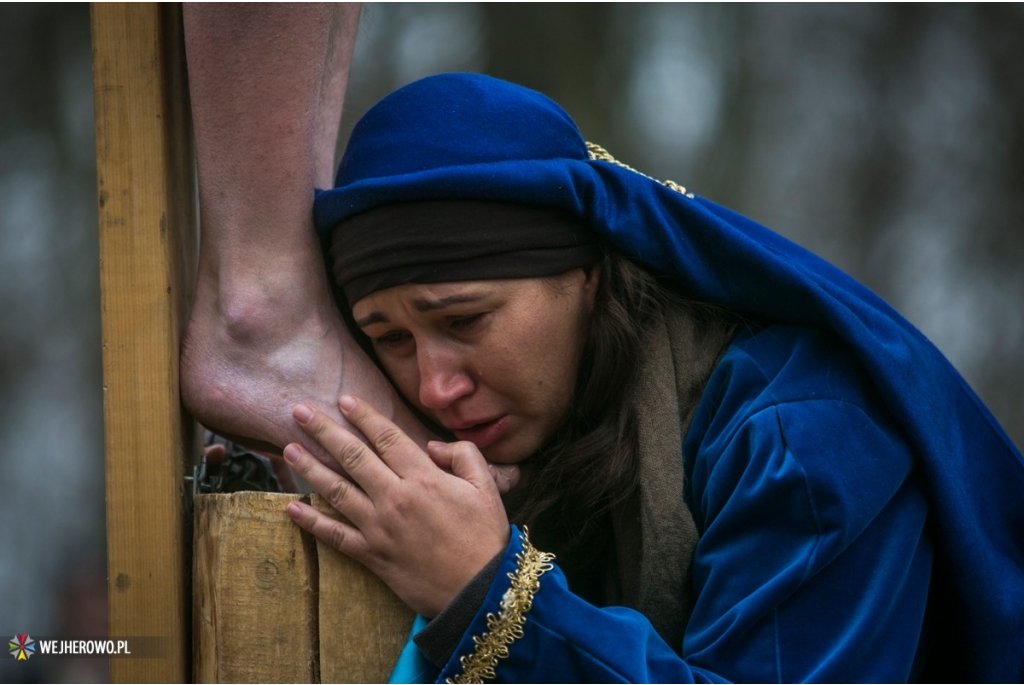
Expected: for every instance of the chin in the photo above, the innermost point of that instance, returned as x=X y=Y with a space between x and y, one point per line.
x=506 y=454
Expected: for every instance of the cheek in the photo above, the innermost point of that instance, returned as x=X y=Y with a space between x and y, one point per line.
x=405 y=376
x=556 y=344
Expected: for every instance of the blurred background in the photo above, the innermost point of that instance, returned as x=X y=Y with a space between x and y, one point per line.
x=887 y=138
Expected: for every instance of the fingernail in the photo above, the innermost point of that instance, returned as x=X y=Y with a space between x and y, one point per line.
x=302 y=413
x=293 y=510
x=292 y=453
x=347 y=402
x=434 y=444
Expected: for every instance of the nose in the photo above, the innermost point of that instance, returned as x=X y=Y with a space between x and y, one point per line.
x=444 y=377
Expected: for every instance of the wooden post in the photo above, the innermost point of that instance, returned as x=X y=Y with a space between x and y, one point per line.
x=148 y=249
x=274 y=605
x=268 y=605
x=363 y=624
x=255 y=594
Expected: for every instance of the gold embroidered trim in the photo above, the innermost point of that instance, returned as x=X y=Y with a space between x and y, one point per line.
x=599 y=153
x=507 y=626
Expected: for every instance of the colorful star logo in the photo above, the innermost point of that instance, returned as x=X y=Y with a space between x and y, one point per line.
x=22 y=647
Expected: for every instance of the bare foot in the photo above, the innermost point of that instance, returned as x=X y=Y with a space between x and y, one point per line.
x=250 y=356
x=243 y=372
x=267 y=82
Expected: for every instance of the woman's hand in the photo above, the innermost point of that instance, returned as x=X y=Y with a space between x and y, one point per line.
x=424 y=530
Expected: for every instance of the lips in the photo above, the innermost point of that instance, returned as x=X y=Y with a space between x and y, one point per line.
x=484 y=433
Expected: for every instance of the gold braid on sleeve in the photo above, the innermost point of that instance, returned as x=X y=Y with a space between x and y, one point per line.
x=507 y=626
x=599 y=153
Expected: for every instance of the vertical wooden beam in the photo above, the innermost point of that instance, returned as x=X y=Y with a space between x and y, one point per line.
x=148 y=250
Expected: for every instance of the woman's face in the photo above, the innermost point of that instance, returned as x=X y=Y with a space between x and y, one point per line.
x=494 y=362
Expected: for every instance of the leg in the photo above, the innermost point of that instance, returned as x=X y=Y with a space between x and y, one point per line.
x=267 y=83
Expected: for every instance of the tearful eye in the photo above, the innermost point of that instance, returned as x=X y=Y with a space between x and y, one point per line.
x=465 y=323
x=392 y=339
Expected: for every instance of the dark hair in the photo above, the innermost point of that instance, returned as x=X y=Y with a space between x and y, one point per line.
x=591 y=462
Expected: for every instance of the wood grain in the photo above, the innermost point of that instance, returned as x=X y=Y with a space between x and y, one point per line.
x=148 y=245
x=363 y=624
x=255 y=592
x=272 y=604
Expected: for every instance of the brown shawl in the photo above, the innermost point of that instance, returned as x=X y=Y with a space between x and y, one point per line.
x=654 y=531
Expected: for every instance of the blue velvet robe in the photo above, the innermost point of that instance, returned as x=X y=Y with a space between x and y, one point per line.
x=814 y=560
x=834 y=594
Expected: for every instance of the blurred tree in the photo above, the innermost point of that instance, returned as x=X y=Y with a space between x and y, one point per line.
x=51 y=422
x=564 y=50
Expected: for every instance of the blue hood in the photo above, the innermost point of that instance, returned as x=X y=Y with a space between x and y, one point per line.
x=467 y=136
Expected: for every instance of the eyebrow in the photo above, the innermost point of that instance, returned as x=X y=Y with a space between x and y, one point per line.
x=372 y=317
x=422 y=305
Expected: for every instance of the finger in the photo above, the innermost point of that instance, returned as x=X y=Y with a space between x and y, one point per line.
x=358 y=460
x=214 y=454
x=395 y=448
x=285 y=476
x=440 y=455
x=469 y=465
x=337 y=490
x=464 y=461
x=343 y=537
x=505 y=476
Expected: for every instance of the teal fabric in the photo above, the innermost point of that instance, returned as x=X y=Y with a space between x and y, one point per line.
x=464 y=136
x=411 y=666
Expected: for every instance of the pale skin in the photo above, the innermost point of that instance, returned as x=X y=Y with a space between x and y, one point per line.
x=425 y=522
x=494 y=360
x=263 y=333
